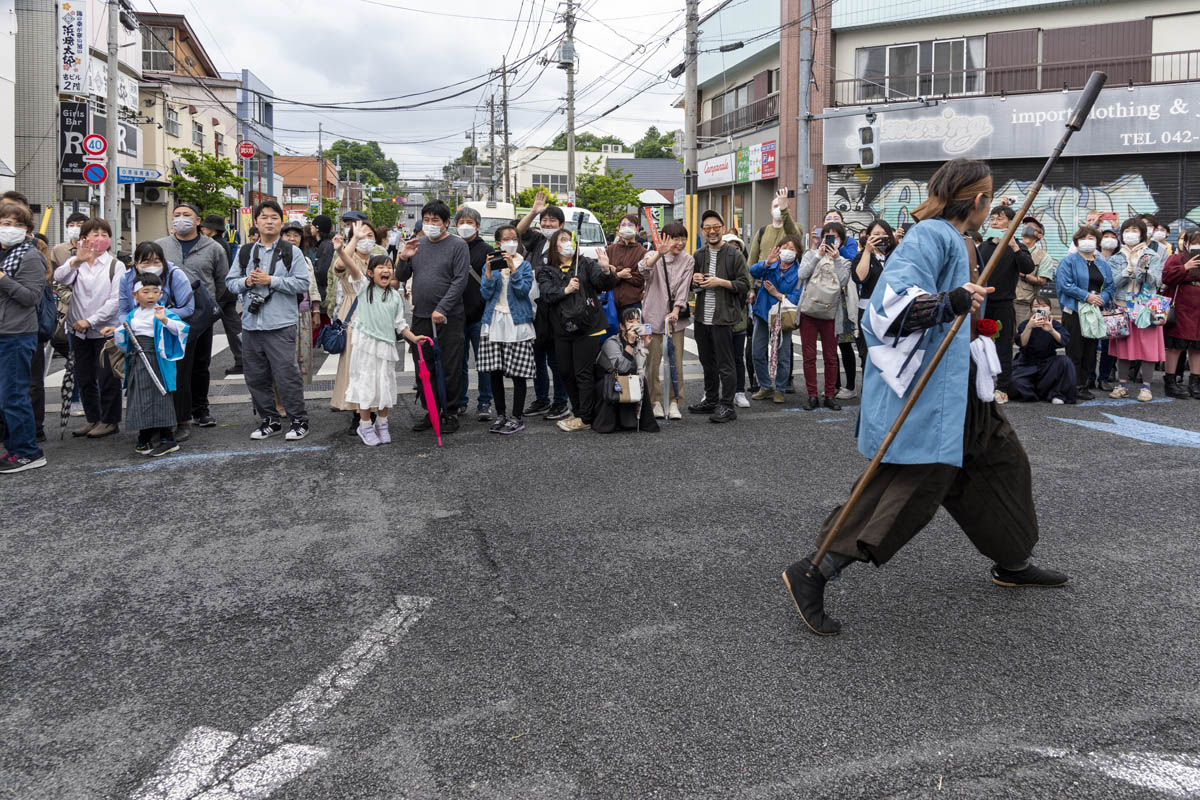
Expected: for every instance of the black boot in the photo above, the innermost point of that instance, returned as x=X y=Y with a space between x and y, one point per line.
x=814 y=402
x=806 y=585
x=1173 y=386
x=1194 y=386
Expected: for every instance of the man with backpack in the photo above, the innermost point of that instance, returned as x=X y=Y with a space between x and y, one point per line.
x=270 y=276
x=721 y=281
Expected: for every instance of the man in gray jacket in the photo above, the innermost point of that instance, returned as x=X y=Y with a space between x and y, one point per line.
x=270 y=276
x=205 y=263
x=22 y=279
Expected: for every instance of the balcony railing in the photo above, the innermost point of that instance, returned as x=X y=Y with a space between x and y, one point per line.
x=750 y=115
x=1175 y=67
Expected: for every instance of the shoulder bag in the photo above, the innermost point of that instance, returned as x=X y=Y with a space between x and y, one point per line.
x=332 y=338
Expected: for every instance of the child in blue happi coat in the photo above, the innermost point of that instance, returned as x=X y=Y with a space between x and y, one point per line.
x=162 y=335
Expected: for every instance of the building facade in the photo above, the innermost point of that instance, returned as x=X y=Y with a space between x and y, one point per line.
x=739 y=109
x=536 y=166
x=8 y=85
x=185 y=104
x=55 y=107
x=1003 y=76
x=300 y=185
x=256 y=123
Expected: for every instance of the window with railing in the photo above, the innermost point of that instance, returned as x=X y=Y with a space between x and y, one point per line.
x=171 y=123
x=220 y=142
x=736 y=118
x=158 y=49
x=920 y=69
x=555 y=183
x=197 y=134
x=295 y=194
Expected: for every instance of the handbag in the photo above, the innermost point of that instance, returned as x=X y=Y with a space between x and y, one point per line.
x=1091 y=322
x=788 y=314
x=112 y=358
x=332 y=338
x=628 y=387
x=1116 y=323
x=822 y=292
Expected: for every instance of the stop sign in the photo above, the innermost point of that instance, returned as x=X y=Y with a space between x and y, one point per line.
x=246 y=149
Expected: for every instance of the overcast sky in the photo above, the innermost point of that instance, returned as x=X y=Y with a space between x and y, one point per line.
x=383 y=48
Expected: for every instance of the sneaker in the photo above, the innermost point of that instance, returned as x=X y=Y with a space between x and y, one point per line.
x=572 y=425
x=833 y=405
x=236 y=369
x=102 y=430
x=266 y=430
x=1000 y=397
x=462 y=410
x=703 y=407
x=1084 y=394
x=367 y=433
x=423 y=423
x=183 y=432
x=673 y=411
x=206 y=421
x=14 y=464
x=76 y=409
x=1145 y=396
x=381 y=430
x=298 y=430
x=557 y=412
x=84 y=429
x=513 y=425
x=740 y=400
x=814 y=402
x=144 y=448
x=1032 y=575
x=778 y=399
x=537 y=408
x=658 y=411
x=761 y=394
x=846 y=394
x=450 y=424
x=723 y=414
x=806 y=585
x=1119 y=393
x=165 y=447
x=1058 y=401
x=483 y=412
x=498 y=424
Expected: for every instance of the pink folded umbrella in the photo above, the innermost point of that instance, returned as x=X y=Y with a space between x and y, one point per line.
x=427 y=387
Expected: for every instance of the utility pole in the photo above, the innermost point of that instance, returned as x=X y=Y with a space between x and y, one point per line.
x=320 y=167
x=504 y=103
x=567 y=61
x=492 y=148
x=691 y=118
x=471 y=189
x=112 y=190
x=804 y=173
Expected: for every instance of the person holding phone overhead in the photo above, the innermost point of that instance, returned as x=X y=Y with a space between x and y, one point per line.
x=825 y=273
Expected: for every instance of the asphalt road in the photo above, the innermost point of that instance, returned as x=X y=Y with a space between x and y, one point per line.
x=604 y=619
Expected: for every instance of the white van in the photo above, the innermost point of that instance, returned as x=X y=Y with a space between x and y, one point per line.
x=492 y=216
x=589 y=233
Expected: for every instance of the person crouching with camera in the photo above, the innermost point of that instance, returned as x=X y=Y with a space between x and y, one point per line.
x=1040 y=372
x=270 y=285
x=621 y=402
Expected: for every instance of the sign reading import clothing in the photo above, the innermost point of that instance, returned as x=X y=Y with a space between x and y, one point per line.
x=715 y=171
x=1150 y=119
x=753 y=163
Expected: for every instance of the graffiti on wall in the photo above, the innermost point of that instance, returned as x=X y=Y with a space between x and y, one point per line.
x=863 y=195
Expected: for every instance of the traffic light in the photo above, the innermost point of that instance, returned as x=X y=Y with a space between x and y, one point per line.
x=868 y=145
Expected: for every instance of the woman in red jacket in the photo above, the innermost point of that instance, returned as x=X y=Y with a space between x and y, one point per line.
x=1181 y=279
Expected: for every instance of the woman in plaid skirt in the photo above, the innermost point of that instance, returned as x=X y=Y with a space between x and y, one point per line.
x=506 y=339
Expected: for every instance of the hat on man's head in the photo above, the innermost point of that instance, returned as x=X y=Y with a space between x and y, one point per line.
x=215 y=223
x=292 y=225
x=323 y=224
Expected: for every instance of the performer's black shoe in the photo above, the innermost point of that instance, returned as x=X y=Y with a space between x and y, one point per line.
x=806 y=584
x=1033 y=575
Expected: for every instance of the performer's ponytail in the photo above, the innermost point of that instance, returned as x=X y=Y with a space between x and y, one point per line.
x=954 y=189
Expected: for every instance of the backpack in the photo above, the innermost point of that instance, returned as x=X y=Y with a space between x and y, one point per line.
x=47 y=315
x=822 y=292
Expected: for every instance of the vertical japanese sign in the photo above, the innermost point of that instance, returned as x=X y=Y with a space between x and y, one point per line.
x=72 y=47
x=743 y=165
x=73 y=126
x=768 y=160
x=756 y=162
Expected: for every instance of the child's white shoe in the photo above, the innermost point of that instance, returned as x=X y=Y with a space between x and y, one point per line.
x=382 y=432
x=366 y=432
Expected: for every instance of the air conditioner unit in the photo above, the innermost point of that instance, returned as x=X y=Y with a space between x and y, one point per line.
x=155 y=195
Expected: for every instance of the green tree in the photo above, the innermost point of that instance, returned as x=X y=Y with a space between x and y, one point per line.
x=365 y=156
x=330 y=207
x=585 y=142
x=524 y=198
x=204 y=179
x=382 y=212
x=654 y=144
x=608 y=196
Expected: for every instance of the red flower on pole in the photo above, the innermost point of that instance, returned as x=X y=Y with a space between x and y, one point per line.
x=987 y=327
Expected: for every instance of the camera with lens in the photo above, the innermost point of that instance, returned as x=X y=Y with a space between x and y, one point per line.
x=256 y=303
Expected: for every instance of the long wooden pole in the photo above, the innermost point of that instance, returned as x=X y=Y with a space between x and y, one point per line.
x=1082 y=109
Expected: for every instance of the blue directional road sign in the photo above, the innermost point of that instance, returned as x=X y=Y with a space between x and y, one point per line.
x=136 y=175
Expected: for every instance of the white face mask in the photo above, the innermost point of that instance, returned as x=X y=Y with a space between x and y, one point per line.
x=1160 y=236
x=787 y=256
x=566 y=249
x=364 y=246
x=153 y=270
x=183 y=225
x=466 y=231
x=11 y=235
x=1086 y=245
x=1109 y=244
x=1131 y=238
x=627 y=232
x=432 y=231
x=509 y=246
x=776 y=214
x=73 y=233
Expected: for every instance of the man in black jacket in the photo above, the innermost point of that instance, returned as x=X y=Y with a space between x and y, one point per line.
x=1013 y=262
x=721 y=282
x=549 y=218
x=467 y=221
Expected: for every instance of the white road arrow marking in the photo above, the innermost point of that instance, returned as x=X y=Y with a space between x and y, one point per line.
x=209 y=764
x=1139 y=429
x=1174 y=774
